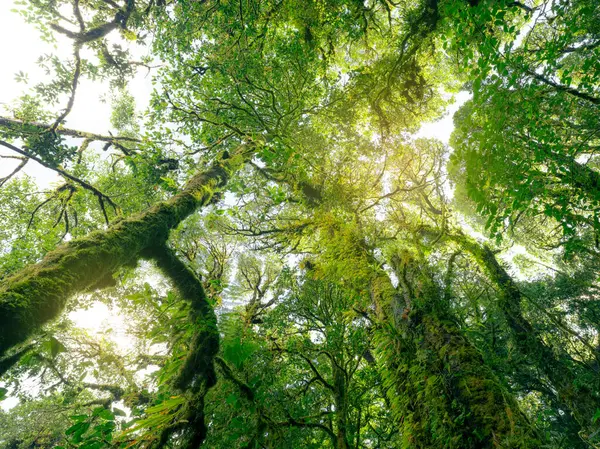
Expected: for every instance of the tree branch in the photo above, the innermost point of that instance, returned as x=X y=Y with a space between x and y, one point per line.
x=14 y=123
x=99 y=195
x=563 y=88
x=295 y=423
x=17 y=169
x=74 y=83
x=228 y=373
x=36 y=294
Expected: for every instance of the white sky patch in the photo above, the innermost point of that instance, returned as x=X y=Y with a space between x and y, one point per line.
x=9 y=402
x=442 y=128
x=91 y=319
x=22 y=47
x=92 y=108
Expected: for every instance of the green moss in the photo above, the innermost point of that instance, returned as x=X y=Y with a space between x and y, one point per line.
x=199 y=365
x=38 y=293
x=442 y=393
x=528 y=341
x=197 y=374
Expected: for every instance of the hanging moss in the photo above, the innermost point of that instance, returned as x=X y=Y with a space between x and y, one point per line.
x=38 y=293
x=7 y=362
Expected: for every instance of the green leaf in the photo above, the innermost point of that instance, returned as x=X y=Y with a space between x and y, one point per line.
x=56 y=347
x=166 y=405
x=76 y=428
x=103 y=413
x=77 y=431
x=232 y=399
x=119 y=412
x=92 y=445
x=78 y=418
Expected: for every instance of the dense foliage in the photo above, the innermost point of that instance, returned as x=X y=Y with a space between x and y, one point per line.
x=286 y=260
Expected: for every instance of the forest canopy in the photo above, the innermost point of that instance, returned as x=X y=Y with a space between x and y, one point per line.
x=287 y=255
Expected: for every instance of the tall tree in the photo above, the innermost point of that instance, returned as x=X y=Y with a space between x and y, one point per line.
x=287 y=258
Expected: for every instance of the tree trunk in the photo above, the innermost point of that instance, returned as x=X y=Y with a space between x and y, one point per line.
x=197 y=372
x=38 y=293
x=581 y=402
x=579 y=176
x=341 y=407
x=441 y=392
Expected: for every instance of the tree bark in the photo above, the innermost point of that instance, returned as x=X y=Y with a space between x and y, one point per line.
x=579 y=176
x=38 y=293
x=562 y=88
x=581 y=402
x=441 y=391
x=341 y=407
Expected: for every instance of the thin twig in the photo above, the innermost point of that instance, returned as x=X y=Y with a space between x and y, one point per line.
x=74 y=84
x=22 y=164
x=101 y=196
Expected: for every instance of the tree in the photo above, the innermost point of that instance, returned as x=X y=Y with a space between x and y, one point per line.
x=531 y=124
x=288 y=258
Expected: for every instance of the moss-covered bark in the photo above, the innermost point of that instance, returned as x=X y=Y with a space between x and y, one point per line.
x=581 y=401
x=340 y=392
x=442 y=393
x=199 y=364
x=197 y=375
x=38 y=293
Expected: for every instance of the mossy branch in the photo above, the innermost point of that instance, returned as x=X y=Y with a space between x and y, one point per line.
x=199 y=365
x=38 y=293
x=7 y=362
x=229 y=375
x=19 y=126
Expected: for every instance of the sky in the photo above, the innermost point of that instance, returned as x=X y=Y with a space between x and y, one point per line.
x=442 y=129
x=19 y=52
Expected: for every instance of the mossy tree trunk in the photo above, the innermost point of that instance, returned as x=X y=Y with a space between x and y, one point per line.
x=340 y=392
x=38 y=293
x=580 y=401
x=197 y=375
x=441 y=391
